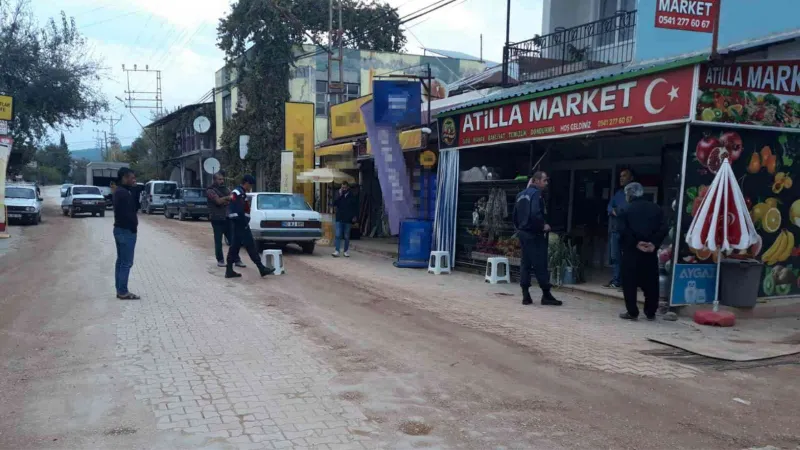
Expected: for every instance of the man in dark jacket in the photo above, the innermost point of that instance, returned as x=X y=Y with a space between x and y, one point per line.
x=126 y=225
x=241 y=236
x=218 y=198
x=532 y=228
x=642 y=230
x=616 y=206
x=346 y=215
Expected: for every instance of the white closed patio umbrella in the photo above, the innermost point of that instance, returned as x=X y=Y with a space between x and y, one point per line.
x=723 y=223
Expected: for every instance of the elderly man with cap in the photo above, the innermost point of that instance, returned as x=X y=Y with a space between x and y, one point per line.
x=241 y=236
x=642 y=229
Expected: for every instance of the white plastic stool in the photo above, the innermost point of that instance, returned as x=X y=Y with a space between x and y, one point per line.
x=494 y=273
x=439 y=263
x=273 y=259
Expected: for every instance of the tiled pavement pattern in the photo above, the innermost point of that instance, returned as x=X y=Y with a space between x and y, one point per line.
x=584 y=332
x=208 y=365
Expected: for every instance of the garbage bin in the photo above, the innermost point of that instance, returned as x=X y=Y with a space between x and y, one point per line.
x=739 y=282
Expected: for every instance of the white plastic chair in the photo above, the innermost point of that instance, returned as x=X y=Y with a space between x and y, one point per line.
x=497 y=269
x=439 y=263
x=273 y=259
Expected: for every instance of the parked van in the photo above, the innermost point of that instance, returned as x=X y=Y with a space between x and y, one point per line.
x=155 y=195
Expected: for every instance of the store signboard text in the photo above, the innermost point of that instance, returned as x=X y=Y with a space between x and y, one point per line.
x=656 y=98
x=686 y=15
x=774 y=77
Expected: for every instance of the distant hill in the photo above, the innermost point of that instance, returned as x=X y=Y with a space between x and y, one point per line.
x=91 y=154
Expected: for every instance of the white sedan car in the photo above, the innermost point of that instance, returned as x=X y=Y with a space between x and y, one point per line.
x=83 y=200
x=277 y=218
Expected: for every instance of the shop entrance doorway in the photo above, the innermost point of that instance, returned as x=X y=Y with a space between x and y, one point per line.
x=592 y=191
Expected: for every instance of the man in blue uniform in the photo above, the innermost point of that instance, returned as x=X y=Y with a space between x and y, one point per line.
x=532 y=228
x=616 y=208
x=241 y=236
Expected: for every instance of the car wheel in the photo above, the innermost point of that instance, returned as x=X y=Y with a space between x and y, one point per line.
x=102 y=213
x=94 y=214
x=181 y=216
x=308 y=247
x=148 y=210
x=167 y=213
x=35 y=220
x=64 y=211
x=72 y=212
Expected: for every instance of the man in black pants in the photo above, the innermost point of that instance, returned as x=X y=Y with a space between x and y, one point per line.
x=642 y=230
x=241 y=236
x=219 y=196
x=532 y=228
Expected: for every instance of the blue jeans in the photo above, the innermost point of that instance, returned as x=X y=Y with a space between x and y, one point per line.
x=616 y=257
x=342 y=231
x=126 y=243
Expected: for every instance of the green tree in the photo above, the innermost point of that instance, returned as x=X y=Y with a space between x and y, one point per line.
x=50 y=73
x=56 y=157
x=261 y=40
x=78 y=173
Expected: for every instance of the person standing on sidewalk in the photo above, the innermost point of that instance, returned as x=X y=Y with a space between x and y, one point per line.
x=241 y=236
x=642 y=229
x=616 y=207
x=219 y=196
x=532 y=228
x=126 y=225
x=346 y=204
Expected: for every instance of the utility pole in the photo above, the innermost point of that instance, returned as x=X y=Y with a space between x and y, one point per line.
x=147 y=99
x=335 y=55
x=109 y=135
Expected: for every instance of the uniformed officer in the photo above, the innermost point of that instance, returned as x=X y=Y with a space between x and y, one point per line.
x=241 y=236
x=532 y=228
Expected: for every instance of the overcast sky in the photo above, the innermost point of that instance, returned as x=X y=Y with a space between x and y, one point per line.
x=179 y=36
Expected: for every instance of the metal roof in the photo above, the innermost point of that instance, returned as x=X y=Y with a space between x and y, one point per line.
x=621 y=70
x=456 y=55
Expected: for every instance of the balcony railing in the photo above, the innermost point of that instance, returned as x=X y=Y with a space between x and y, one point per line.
x=602 y=43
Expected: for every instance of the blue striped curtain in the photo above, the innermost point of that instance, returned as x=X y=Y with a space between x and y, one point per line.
x=444 y=224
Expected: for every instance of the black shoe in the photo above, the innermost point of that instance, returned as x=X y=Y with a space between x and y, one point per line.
x=612 y=285
x=549 y=300
x=526 y=297
x=627 y=316
x=651 y=318
x=229 y=273
x=264 y=271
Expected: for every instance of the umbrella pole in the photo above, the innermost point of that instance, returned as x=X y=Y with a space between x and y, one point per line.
x=716 y=287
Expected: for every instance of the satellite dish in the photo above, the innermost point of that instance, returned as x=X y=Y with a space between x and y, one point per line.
x=202 y=124
x=211 y=165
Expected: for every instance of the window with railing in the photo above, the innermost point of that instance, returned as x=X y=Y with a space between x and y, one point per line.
x=605 y=42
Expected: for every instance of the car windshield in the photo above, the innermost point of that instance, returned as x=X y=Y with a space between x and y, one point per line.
x=164 y=188
x=282 y=201
x=64 y=186
x=20 y=192
x=193 y=193
x=85 y=190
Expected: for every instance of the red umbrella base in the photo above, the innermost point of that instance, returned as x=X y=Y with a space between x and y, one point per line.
x=715 y=319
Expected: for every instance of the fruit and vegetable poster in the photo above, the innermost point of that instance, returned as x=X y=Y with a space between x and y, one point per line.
x=766 y=165
x=765 y=93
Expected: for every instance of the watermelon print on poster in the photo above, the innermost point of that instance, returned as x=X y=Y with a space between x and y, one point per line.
x=767 y=167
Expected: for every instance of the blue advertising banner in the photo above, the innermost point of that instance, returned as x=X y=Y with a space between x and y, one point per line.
x=694 y=284
x=391 y=166
x=397 y=103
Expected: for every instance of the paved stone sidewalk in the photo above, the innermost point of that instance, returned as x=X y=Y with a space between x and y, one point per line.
x=584 y=332
x=208 y=365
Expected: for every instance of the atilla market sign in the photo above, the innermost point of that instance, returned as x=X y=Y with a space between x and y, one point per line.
x=658 y=98
x=686 y=15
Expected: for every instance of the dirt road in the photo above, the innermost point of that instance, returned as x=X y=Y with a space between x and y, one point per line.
x=323 y=358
